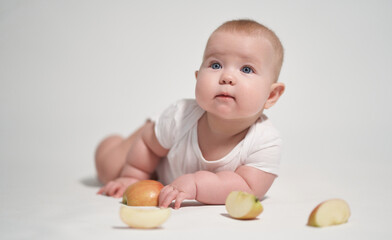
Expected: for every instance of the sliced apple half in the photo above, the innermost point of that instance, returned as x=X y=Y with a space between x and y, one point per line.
x=330 y=212
x=142 y=217
x=242 y=205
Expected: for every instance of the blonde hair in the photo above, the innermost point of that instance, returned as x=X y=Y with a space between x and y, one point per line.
x=253 y=28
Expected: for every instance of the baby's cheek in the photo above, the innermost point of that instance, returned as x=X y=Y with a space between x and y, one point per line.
x=202 y=96
x=252 y=103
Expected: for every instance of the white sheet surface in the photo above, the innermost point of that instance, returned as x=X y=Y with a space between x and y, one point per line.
x=72 y=72
x=70 y=209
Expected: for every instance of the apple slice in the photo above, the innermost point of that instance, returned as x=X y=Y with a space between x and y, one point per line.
x=242 y=205
x=142 y=217
x=330 y=212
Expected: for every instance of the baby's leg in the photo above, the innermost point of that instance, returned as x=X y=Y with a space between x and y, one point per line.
x=111 y=154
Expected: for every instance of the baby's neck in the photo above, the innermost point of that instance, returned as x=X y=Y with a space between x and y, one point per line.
x=217 y=137
x=227 y=128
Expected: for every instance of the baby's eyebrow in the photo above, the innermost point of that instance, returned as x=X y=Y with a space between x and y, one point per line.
x=213 y=54
x=209 y=54
x=218 y=55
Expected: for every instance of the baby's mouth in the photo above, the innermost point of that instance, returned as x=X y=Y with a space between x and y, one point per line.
x=225 y=96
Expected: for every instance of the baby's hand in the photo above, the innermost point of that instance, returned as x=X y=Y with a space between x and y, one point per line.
x=180 y=189
x=116 y=187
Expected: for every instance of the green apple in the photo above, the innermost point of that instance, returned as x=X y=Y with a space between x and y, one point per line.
x=242 y=205
x=330 y=212
x=142 y=217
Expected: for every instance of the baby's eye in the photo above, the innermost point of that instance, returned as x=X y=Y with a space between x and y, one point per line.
x=216 y=66
x=247 y=70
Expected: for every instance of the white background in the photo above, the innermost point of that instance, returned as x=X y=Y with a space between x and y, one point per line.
x=72 y=72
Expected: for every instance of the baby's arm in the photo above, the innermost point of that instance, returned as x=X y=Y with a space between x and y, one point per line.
x=141 y=161
x=213 y=188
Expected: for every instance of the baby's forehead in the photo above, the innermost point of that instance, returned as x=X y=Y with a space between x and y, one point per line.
x=221 y=38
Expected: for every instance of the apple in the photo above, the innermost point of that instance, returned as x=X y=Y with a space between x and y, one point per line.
x=330 y=212
x=142 y=193
x=242 y=205
x=142 y=217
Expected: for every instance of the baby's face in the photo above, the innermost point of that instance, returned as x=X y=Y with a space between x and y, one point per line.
x=235 y=78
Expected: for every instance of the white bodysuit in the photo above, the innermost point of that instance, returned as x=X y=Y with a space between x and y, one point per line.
x=176 y=129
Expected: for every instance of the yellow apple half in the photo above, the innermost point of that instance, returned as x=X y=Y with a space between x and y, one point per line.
x=141 y=217
x=142 y=193
x=330 y=212
x=242 y=205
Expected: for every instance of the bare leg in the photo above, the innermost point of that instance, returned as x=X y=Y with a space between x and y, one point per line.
x=111 y=154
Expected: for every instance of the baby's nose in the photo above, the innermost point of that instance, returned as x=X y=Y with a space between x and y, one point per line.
x=227 y=79
x=226 y=82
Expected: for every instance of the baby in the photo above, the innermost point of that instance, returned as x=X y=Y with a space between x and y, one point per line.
x=205 y=148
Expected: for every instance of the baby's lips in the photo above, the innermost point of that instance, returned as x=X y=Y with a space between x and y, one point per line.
x=224 y=96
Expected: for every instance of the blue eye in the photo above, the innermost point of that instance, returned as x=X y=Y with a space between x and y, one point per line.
x=247 y=70
x=216 y=66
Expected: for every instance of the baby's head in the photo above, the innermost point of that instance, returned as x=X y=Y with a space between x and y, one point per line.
x=240 y=68
x=254 y=29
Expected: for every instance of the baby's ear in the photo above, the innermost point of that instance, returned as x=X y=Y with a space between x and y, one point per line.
x=277 y=90
x=196 y=72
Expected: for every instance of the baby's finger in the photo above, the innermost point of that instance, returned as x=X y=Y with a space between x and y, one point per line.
x=120 y=192
x=179 y=199
x=166 y=189
x=169 y=198
x=104 y=189
x=107 y=188
x=113 y=189
x=164 y=192
x=100 y=191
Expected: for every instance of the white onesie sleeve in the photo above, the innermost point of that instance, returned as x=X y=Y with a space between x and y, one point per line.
x=164 y=127
x=265 y=149
x=175 y=121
